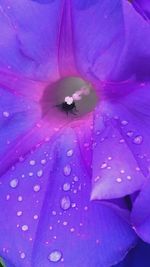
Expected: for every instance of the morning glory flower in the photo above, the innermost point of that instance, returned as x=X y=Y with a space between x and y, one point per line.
x=74 y=112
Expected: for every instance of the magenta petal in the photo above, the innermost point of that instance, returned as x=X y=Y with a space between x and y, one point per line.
x=50 y=217
x=140 y=215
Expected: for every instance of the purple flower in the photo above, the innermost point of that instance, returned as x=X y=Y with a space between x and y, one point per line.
x=74 y=130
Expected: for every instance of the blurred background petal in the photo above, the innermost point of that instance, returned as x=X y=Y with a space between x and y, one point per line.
x=140 y=215
x=137 y=257
x=143 y=7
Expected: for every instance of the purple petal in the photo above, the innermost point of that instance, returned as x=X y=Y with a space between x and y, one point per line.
x=134 y=60
x=97 y=53
x=30 y=30
x=140 y=216
x=143 y=7
x=121 y=156
x=17 y=115
x=50 y=217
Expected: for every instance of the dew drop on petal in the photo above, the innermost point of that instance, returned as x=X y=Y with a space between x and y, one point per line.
x=39 y=173
x=129 y=177
x=138 y=140
x=19 y=213
x=36 y=188
x=70 y=152
x=66 y=187
x=65 y=203
x=119 y=180
x=104 y=165
x=22 y=255
x=43 y=161
x=14 y=183
x=124 y=122
x=32 y=162
x=6 y=114
x=55 y=256
x=25 y=227
x=20 y=198
x=76 y=179
x=67 y=170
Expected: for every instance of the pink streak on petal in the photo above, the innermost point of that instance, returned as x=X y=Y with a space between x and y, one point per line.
x=22 y=86
x=66 y=60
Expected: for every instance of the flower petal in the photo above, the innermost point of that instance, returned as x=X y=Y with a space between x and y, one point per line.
x=34 y=45
x=122 y=136
x=97 y=53
x=143 y=7
x=17 y=115
x=76 y=232
x=141 y=213
x=50 y=217
x=22 y=194
x=137 y=257
x=134 y=62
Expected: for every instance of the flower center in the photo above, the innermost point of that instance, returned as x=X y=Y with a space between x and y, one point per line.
x=70 y=95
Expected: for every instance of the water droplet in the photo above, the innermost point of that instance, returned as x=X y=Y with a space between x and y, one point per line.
x=39 y=173
x=6 y=114
x=22 y=255
x=130 y=133
x=32 y=162
x=36 y=188
x=65 y=203
x=124 y=122
x=76 y=178
x=55 y=256
x=25 y=227
x=14 y=183
x=138 y=140
x=119 y=180
x=67 y=170
x=70 y=152
x=129 y=177
x=19 y=213
x=35 y=217
x=20 y=198
x=65 y=223
x=66 y=187
x=104 y=165
x=43 y=161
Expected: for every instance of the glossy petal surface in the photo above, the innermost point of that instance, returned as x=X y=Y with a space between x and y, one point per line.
x=51 y=218
x=122 y=135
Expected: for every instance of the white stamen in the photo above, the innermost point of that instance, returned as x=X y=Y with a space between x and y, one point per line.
x=69 y=100
x=78 y=94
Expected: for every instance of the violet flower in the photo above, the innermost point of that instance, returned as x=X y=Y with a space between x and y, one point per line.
x=74 y=130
